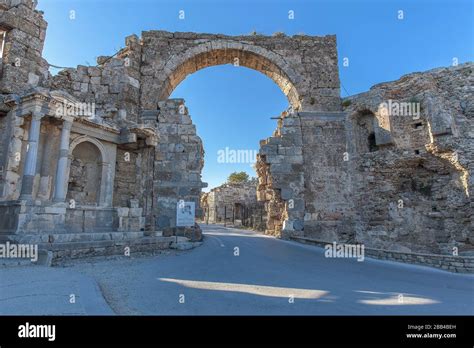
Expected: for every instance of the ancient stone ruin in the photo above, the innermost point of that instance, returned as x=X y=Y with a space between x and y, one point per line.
x=97 y=158
x=234 y=203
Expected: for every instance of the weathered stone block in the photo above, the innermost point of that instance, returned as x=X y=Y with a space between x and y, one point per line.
x=122 y=211
x=135 y=212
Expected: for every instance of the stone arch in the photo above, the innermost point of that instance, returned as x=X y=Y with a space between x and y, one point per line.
x=220 y=52
x=92 y=145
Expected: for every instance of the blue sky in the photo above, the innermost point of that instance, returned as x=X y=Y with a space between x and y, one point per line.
x=231 y=106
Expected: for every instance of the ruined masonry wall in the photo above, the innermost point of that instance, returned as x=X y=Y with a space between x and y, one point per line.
x=22 y=64
x=179 y=159
x=329 y=211
x=227 y=195
x=426 y=163
x=305 y=67
x=352 y=189
x=445 y=262
x=281 y=178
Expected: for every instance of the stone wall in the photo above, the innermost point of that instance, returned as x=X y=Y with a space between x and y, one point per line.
x=413 y=192
x=395 y=183
x=179 y=159
x=281 y=177
x=134 y=178
x=109 y=87
x=9 y=221
x=234 y=203
x=304 y=178
x=411 y=203
x=126 y=184
x=329 y=209
x=112 y=247
x=460 y=264
x=22 y=65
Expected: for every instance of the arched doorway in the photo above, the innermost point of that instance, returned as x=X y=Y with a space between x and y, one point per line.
x=85 y=175
x=303 y=67
x=291 y=139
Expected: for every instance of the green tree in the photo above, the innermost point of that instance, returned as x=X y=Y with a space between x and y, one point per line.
x=237 y=177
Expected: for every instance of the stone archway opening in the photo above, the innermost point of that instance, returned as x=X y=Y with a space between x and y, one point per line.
x=303 y=67
x=235 y=57
x=239 y=210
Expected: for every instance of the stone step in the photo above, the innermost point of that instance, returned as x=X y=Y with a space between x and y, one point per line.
x=184 y=245
x=75 y=237
x=181 y=243
x=128 y=247
x=104 y=243
x=43 y=257
x=12 y=262
x=78 y=245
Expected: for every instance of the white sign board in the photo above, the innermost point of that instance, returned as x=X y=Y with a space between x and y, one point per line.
x=185 y=212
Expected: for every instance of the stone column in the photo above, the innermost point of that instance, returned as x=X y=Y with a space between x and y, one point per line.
x=61 y=169
x=31 y=157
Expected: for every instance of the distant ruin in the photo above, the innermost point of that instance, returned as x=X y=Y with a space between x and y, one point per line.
x=234 y=204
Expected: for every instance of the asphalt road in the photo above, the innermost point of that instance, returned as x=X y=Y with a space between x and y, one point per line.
x=269 y=276
x=39 y=290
